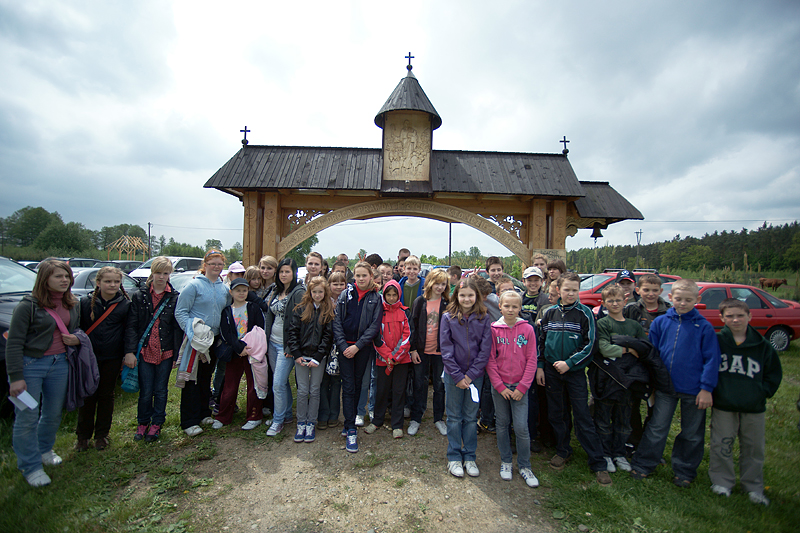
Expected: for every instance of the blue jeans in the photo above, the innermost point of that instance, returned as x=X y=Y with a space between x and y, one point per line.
x=687 y=450
x=34 y=434
x=153 y=382
x=504 y=411
x=282 y=366
x=462 y=418
x=367 y=389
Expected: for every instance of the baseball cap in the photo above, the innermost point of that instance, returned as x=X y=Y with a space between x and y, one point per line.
x=236 y=267
x=240 y=281
x=625 y=274
x=532 y=271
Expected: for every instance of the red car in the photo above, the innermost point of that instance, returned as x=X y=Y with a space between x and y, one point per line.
x=778 y=320
x=592 y=285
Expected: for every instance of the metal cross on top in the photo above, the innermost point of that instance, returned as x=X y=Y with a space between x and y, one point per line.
x=245 y=142
x=409 y=57
x=565 y=151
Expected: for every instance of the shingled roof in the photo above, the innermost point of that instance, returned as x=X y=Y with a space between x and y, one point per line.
x=602 y=201
x=408 y=95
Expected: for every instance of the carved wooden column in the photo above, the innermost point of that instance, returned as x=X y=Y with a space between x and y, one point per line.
x=270 y=234
x=537 y=232
x=250 y=244
x=559 y=225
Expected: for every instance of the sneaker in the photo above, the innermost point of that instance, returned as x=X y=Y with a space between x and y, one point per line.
x=82 y=445
x=758 y=498
x=472 y=468
x=352 y=441
x=193 y=431
x=455 y=468
x=397 y=433
x=334 y=423
x=207 y=421
x=217 y=425
x=622 y=464
x=407 y=412
x=370 y=429
x=344 y=432
x=558 y=462
x=274 y=429
x=38 y=478
x=440 y=425
x=536 y=446
x=603 y=478
x=101 y=443
x=300 y=435
x=51 y=458
x=141 y=429
x=505 y=471
x=322 y=424
x=413 y=427
x=288 y=420
x=531 y=480
x=610 y=465
x=721 y=491
x=153 y=433
x=251 y=424
x=489 y=428
x=359 y=421
x=311 y=434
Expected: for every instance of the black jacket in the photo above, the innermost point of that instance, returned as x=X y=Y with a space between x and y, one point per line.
x=370 y=325
x=610 y=378
x=108 y=337
x=140 y=315
x=419 y=324
x=294 y=297
x=227 y=326
x=309 y=339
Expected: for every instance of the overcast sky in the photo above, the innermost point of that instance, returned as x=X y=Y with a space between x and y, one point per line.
x=118 y=112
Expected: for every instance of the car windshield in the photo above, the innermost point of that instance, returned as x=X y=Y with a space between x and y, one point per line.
x=593 y=281
x=15 y=278
x=147 y=263
x=778 y=304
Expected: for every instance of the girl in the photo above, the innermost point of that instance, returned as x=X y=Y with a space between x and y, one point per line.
x=36 y=362
x=154 y=303
x=104 y=314
x=393 y=361
x=253 y=277
x=268 y=266
x=512 y=369
x=331 y=387
x=236 y=320
x=356 y=323
x=555 y=268
x=204 y=297
x=278 y=308
x=310 y=340
x=466 y=342
x=426 y=354
x=313 y=266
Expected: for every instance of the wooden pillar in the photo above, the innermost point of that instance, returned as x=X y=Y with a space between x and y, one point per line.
x=249 y=242
x=537 y=230
x=271 y=232
x=559 y=225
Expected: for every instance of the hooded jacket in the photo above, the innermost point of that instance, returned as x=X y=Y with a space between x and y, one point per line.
x=204 y=300
x=309 y=339
x=369 y=326
x=228 y=332
x=749 y=373
x=513 y=356
x=568 y=333
x=394 y=342
x=108 y=338
x=689 y=349
x=466 y=345
x=638 y=311
x=419 y=324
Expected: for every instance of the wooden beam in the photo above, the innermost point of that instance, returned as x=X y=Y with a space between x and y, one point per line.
x=559 y=225
x=272 y=224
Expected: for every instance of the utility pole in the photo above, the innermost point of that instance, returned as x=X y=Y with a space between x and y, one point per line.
x=150 y=241
x=450 y=239
x=638 y=241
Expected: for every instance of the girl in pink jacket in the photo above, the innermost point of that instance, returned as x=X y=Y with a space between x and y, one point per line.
x=511 y=369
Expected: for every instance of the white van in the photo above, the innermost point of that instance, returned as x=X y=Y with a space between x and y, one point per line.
x=179 y=264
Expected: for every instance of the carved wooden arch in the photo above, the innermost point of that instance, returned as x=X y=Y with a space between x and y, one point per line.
x=404 y=207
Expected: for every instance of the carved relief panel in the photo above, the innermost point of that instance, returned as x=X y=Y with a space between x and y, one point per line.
x=407 y=146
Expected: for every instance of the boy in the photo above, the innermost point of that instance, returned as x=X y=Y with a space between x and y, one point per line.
x=386 y=273
x=412 y=283
x=504 y=283
x=749 y=373
x=566 y=344
x=613 y=402
x=494 y=267
x=688 y=347
x=533 y=297
x=650 y=304
x=454 y=272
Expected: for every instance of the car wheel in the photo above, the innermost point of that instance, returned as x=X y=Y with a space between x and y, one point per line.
x=779 y=337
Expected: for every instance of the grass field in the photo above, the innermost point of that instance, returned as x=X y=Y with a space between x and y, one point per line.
x=98 y=491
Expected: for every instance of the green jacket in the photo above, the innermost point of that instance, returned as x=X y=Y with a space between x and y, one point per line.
x=568 y=334
x=30 y=334
x=748 y=373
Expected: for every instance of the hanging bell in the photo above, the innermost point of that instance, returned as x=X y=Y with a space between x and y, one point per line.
x=596 y=231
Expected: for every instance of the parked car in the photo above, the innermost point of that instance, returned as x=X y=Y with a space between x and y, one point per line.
x=179 y=280
x=179 y=264
x=778 y=320
x=592 y=285
x=84 y=282
x=15 y=282
x=29 y=264
x=122 y=264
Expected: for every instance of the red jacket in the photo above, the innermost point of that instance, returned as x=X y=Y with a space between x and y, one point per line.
x=395 y=339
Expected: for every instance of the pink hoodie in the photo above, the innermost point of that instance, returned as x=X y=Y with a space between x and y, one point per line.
x=513 y=355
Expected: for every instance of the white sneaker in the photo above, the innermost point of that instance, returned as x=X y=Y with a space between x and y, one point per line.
x=51 y=458
x=720 y=490
x=413 y=428
x=759 y=498
x=505 y=471
x=455 y=468
x=622 y=464
x=610 y=465
x=472 y=468
x=251 y=424
x=194 y=430
x=274 y=429
x=529 y=478
x=441 y=426
x=206 y=421
x=39 y=478
x=217 y=425
x=359 y=421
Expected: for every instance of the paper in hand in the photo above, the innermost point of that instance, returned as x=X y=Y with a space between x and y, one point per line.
x=24 y=400
x=473 y=391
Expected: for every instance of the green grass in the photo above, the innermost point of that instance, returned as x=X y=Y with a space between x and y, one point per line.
x=656 y=505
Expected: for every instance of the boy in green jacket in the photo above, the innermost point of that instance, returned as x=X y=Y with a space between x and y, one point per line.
x=749 y=373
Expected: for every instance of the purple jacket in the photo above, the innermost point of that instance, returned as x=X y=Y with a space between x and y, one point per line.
x=465 y=346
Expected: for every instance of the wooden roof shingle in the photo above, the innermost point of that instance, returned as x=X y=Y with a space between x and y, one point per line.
x=602 y=201
x=408 y=95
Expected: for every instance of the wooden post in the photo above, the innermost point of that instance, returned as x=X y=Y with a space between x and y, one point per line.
x=271 y=233
x=559 y=225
